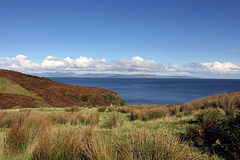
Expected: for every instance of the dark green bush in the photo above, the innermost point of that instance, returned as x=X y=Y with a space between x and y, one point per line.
x=217 y=132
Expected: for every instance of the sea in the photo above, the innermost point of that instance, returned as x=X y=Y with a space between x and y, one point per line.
x=158 y=91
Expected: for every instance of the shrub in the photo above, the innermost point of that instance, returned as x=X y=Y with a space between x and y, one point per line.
x=102 y=109
x=218 y=132
x=112 y=120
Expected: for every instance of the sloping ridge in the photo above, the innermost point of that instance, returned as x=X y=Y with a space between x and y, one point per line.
x=48 y=92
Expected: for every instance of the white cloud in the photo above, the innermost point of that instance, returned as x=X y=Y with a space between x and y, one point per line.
x=126 y=66
x=214 y=68
x=19 y=62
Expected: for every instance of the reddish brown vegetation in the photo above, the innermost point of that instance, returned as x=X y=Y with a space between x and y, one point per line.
x=11 y=100
x=59 y=94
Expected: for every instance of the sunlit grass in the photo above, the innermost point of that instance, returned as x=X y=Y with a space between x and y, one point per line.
x=6 y=86
x=109 y=129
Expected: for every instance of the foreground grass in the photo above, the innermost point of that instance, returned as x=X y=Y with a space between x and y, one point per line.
x=89 y=134
x=195 y=130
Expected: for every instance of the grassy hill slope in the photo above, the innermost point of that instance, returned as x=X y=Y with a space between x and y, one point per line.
x=17 y=89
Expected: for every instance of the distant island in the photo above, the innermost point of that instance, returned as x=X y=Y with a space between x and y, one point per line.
x=102 y=75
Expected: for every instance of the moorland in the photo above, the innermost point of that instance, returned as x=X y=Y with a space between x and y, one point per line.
x=108 y=128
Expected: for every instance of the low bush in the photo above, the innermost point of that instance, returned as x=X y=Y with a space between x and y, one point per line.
x=218 y=132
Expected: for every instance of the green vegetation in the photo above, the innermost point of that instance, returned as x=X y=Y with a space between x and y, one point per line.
x=6 y=86
x=53 y=134
x=203 y=129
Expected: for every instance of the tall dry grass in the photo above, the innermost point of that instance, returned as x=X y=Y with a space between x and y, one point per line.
x=159 y=145
x=8 y=118
x=70 y=143
x=112 y=120
x=22 y=133
x=93 y=119
x=149 y=113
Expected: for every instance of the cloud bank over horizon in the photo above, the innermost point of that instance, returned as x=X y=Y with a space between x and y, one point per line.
x=135 y=65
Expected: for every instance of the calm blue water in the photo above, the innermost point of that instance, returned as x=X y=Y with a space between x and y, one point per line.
x=158 y=91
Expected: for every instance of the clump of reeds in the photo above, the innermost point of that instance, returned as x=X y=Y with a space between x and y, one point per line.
x=22 y=133
x=17 y=139
x=149 y=113
x=8 y=118
x=93 y=119
x=174 y=110
x=70 y=143
x=110 y=109
x=124 y=109
x=187 y=109
x=73 y=109
x=112 y=120
x=210 y=115
x=102 y=109
x=159 y=145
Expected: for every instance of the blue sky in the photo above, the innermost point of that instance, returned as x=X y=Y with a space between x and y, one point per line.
x=167 y=37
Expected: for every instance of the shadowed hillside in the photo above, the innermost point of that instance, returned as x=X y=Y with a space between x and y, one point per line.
x=23 y=90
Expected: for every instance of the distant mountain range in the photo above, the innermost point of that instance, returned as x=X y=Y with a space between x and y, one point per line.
x=92 y=75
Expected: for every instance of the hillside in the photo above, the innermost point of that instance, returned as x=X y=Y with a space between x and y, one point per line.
x=17 y=89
